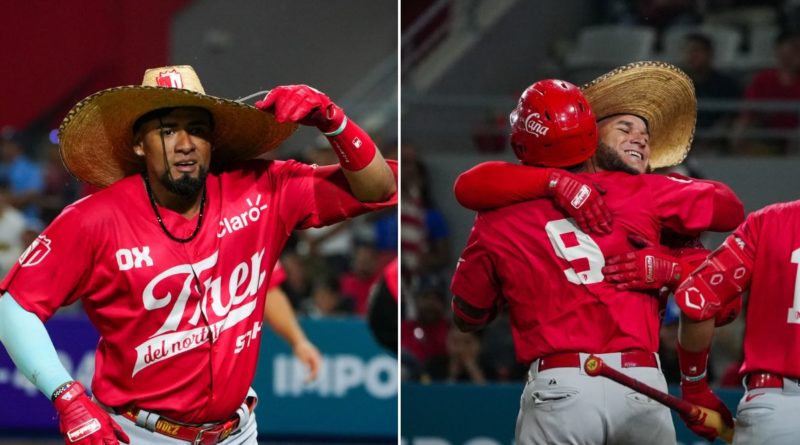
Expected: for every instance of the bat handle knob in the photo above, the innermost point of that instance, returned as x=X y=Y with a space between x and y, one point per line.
x=593 y=365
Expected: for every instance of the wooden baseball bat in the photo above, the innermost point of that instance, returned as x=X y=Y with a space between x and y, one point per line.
x=594 y=366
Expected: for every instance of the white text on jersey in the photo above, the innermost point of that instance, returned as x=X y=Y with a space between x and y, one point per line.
x=128 y=259
x=238 y=222
x=240 y=289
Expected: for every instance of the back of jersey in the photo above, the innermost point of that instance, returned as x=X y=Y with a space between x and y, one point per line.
x=535 y=257
x=772 y=336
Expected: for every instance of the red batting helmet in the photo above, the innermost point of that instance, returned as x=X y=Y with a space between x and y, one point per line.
x=553 y=125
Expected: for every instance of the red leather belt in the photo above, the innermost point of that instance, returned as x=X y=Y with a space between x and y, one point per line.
x=208 y=434
x=628 y=359
x=757 y=380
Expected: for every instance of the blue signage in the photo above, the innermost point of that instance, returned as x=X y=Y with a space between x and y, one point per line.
x=354 y=395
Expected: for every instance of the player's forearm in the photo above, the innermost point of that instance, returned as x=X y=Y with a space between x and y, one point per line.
x=280 y=316
x=695 y=336
x=369 y=176
x=29 y=346
x=374 y=183
x=496 y=184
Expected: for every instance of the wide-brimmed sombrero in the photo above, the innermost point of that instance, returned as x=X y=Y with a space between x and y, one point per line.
x=658 y=92
x=96 y=137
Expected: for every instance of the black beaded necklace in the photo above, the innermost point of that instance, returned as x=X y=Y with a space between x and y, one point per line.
x=161 y=222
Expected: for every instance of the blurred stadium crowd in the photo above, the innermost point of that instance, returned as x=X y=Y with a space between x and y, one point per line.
x=744 y=59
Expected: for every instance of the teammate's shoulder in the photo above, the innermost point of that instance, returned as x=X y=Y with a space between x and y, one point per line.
x=777 y=210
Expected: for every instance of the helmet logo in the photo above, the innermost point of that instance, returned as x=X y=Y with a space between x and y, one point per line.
x=535 y=126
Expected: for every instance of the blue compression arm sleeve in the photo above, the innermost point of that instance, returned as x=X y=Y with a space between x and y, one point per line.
x=30 y=347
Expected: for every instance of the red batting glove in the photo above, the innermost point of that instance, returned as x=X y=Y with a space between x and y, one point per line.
x=304 y=105
x=649 y=268
x=82 y=422
x=581 y=200
x=694 y=389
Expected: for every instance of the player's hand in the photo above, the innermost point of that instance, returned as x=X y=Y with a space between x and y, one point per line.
x=729 y=312
x=649 y=268
x=308 y=355
x=700 y=394
x=82 y=422
x=304 y=105
x=581 y=200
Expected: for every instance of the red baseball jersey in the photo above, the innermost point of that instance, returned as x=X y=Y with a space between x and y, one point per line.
x=549 y=271
x=179 y=323
x=278 y=276
x=772 y=335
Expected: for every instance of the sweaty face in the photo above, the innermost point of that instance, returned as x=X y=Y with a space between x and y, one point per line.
x=181 y=162
x=624 y=144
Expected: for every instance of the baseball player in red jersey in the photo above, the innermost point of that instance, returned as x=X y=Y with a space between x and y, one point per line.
x=550 y=272
x=172 y=258
x=762 y=256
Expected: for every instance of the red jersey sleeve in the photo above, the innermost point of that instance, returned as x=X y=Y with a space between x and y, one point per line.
x=53 y=267
x=278 y=276
x=748 y=234
x=495 y=184
x=319 y=196
x=475 y=280
x=689 y=206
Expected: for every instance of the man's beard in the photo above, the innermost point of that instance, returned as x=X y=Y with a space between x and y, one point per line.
x=185 y=186
x=610 y=160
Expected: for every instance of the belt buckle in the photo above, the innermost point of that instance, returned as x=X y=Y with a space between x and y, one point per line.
x=226 y=430
x=198 y=440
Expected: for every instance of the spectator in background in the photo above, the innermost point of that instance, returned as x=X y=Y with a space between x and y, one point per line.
x=384 y=226
x=780 y=83
x=356 y=283
x=327 y=248
x=298 y=284
x=497 y=351
x=22 y=177
x=424 y=334
x=280 y=317
x=384 y=222
x=461 y=363
x=59 y=188
x=325 y=300
x=423 y=230
x=709 y=83
x=12 y=228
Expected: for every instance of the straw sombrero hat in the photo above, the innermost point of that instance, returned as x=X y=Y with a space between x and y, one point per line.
x=96 y=137
x=660 y=93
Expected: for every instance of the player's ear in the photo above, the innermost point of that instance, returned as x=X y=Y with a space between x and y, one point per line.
x=138 y=145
